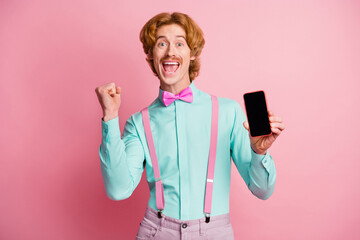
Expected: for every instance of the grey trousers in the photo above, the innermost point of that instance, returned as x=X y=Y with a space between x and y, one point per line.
x=167 y=228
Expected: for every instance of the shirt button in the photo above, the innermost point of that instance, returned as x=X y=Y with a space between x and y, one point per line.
x=184 y=225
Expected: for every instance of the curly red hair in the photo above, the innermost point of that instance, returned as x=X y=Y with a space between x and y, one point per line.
x=194 y=38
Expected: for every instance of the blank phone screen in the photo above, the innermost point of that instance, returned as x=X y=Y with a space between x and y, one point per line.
x=257 y=113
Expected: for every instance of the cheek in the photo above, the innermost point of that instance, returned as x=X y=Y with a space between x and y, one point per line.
x=155 y=53
x=156 y=58
x=187 y=60
x=157 y=66
x=187 y=55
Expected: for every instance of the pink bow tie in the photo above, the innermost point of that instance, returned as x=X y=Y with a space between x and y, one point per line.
x=185 y=95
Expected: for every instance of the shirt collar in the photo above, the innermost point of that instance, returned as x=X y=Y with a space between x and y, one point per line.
x=193 y=89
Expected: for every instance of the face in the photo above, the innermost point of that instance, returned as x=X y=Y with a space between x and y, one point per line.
x=171 y=57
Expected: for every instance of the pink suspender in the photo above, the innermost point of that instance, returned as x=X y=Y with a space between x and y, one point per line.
x=212 y=157
x=160 y=202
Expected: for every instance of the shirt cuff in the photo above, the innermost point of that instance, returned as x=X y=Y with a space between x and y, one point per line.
x=110 y=129
x=261 y=161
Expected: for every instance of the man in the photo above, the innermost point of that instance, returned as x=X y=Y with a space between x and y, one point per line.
x=178 y=137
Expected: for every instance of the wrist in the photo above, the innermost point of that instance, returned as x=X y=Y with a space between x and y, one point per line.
x=259 y=152
x=109 y=117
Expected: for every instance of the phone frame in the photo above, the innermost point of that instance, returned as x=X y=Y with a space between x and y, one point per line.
x=266 y=110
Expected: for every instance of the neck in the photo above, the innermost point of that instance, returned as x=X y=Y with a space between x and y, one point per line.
x=175 y=88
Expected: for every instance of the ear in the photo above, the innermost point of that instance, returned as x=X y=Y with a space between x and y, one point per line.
x=149 y=55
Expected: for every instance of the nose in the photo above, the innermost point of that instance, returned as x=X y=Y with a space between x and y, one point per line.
x=171 y=50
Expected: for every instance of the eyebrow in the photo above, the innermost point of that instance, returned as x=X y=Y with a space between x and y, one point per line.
x=178 y=36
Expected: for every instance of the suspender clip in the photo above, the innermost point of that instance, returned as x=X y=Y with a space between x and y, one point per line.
x=207 y=218
x=159 y=213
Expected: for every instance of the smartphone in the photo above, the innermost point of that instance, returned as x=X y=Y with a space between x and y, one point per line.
x=257 y=113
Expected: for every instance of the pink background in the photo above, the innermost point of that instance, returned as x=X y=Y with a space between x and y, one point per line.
x=53 y=54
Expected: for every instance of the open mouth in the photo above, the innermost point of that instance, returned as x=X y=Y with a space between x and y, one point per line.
x=170 y=66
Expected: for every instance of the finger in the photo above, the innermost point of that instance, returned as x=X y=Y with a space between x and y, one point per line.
x=276 y=131
x=275 y=119
x=246 y=125
x=109 y=86
x=270 y=113
x=280 y=126
x=111 y=92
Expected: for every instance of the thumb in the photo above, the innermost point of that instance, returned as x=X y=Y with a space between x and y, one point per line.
x=246 y=125
x=118 y=90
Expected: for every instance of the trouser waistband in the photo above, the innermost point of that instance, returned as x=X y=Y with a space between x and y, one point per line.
x=191 y=225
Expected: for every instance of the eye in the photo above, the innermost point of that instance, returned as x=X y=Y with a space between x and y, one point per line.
x=180 y=44
x=162 y=44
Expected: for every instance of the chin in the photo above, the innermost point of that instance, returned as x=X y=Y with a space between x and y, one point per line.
x=169 y=81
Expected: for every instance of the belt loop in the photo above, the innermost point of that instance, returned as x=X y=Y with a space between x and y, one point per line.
x=201 y=230
x=161 y=223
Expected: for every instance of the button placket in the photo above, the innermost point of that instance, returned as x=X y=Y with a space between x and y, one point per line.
x=180 y=162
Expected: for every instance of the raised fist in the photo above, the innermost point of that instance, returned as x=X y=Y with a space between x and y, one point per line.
x=109 y=98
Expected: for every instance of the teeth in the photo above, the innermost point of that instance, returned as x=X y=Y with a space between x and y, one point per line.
x=171 y=63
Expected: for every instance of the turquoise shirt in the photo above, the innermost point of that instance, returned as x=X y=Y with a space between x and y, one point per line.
x=181 y=133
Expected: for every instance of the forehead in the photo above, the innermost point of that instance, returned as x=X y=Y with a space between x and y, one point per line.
x=170 y=30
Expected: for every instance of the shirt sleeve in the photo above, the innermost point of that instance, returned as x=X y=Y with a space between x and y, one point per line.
x=258 y=171
x=121 y=159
